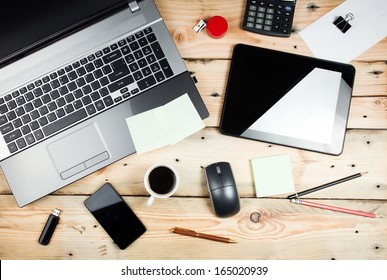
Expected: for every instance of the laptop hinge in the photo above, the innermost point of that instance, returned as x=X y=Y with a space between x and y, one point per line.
x=133 y=5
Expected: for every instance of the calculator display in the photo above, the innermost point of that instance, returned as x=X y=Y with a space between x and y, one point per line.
x=274 y=18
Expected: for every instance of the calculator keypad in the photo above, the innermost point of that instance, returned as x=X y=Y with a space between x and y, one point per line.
x=273 y=18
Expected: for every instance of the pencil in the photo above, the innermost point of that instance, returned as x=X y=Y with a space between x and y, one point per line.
x=326 y=185
x=333 y=208
x=193 y=233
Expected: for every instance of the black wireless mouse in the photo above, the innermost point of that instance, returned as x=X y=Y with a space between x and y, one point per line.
x=222 y=189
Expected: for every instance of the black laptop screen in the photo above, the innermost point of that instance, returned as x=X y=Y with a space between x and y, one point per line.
x=26 y=25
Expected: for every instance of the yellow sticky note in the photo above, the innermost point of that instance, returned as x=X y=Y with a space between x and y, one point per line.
x=272 y=175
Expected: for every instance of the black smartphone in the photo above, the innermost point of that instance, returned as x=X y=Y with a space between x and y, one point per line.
x=115 y=216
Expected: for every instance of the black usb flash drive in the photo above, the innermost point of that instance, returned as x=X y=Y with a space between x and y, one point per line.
x=49 y=227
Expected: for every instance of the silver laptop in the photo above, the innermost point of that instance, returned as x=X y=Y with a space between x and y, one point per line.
x=71 y=72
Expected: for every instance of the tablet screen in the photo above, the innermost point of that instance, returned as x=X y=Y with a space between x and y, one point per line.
x=287 y=99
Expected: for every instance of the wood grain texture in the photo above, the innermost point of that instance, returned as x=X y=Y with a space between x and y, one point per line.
x=284 y=230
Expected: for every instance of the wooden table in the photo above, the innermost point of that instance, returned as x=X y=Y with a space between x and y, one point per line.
x=284 y=230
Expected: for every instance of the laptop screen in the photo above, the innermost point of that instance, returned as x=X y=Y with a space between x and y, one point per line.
x=27 y=25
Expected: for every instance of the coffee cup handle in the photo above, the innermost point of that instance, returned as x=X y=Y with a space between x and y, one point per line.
x=150 y=201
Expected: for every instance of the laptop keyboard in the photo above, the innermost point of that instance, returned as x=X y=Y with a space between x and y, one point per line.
x=82 y=89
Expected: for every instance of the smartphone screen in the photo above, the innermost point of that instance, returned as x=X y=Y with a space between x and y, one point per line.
x=115 y=216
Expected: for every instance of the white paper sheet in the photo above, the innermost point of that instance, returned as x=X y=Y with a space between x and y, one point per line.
x=369 y=26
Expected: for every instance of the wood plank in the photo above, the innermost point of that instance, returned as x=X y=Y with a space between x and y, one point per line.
x=363 y=151
x=306 y=233
x=192 y=45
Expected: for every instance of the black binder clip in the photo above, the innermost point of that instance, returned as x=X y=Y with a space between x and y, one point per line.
x=343 y=23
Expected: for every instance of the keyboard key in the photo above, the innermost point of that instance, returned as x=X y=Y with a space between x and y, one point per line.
x=83 y=61
x=77 y=104
x=72 y=75
x=139 y=34
x=86 y=100
x=157 y=50
x=28 y=107
x=76 y=64
x=89 y=78
x=11 y=115
x=95 y=85
x=51 y=117
x=69 y=108
x=25 y=129
x=33 y=125
x=151 y=38
x=159 y=76
x=46 y=88
x=95 y=96
x=89 y=67
x=37 y=92
x=60 y=112
x=166 y=68
x=3 y=109
x=12 y=136
x=34 y=115
x=54 y=94
x=64 y=122
x=147 y=82
x=43 y=121
x=26 y=119
x=98 y=63
x=111 y=56
x=118 y=64
x=21 y=143
x=20 y=111
x=12 y=147
x=108 y=101
x=63 y=80
x=3 y=120
x=121 y=83
x=118 y=74
x=91 y=109
x=17 y=123
x=81 y=71
x=55 y=84
x=134 y=46
x=6 y=128
x=99 y=105
x=148 y=30
x=38 y=134
x=30 y=139
x=72 y=86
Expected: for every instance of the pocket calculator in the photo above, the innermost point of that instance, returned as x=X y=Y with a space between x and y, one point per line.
x=274 y=18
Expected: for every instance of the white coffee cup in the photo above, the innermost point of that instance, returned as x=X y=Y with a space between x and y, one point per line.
x=161 y=181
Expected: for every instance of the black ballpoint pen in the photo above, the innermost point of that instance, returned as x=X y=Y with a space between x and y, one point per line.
x=296 y=195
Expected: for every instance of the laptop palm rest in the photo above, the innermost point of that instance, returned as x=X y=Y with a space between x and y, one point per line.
x=78 y=151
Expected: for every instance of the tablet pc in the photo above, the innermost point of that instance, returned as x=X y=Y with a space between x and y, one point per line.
x=287 y=99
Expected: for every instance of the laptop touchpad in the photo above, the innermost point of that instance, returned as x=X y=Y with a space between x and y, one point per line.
x=78 y=151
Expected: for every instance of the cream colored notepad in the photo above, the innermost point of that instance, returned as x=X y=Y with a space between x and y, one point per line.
x=272 y=175
x=164 y=125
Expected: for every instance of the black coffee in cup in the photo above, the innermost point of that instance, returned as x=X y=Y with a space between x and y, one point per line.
x=162 y=180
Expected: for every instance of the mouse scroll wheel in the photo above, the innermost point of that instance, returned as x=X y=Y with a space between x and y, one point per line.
x=218 y=170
